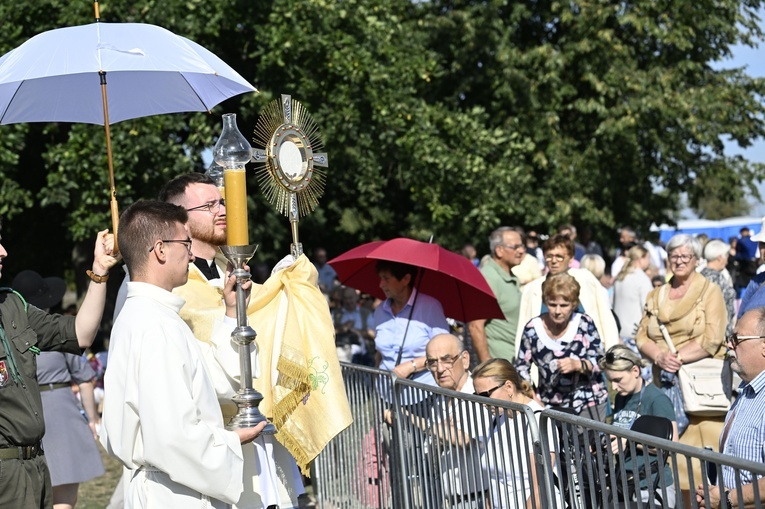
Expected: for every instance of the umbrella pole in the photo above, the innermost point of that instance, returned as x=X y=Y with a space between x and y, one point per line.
x=113 y=190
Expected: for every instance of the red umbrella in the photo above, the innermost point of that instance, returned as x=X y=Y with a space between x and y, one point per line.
x=448 y=277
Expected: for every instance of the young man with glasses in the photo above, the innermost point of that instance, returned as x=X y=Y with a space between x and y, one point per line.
x=744 y=433
x=161 y=413
x=264 y=458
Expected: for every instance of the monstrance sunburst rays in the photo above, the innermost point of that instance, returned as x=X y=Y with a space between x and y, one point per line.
x=288 y=173
x=288 y=161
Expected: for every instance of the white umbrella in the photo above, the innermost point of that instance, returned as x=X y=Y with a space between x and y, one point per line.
x=62 y=75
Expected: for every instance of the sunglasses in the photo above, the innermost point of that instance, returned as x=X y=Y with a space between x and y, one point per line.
x=611 y=358
x=487 y=394
x=735 y=340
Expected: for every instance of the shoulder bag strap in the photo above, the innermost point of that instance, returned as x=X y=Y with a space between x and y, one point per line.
x=661 y=295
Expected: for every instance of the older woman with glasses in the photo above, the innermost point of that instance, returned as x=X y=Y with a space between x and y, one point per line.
x=635 y=397
x=692 y=312
x=593 y=298
x=565 y=347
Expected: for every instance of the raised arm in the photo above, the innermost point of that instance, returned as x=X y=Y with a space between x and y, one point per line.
x=92 y=309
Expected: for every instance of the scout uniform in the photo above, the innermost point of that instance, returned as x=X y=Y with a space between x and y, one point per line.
x=24 y=332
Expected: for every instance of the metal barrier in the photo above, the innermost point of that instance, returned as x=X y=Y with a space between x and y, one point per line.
x=417 y=446
x=590 y=475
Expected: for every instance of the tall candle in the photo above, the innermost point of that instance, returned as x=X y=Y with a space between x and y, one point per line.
x=236 y=207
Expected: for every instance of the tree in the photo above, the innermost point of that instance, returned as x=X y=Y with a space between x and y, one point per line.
x=441 y=118
x=618 y=100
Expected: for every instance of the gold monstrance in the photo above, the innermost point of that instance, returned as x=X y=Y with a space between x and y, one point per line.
x=287 y=172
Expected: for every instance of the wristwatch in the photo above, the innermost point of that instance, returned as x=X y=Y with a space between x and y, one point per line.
x=727 y=499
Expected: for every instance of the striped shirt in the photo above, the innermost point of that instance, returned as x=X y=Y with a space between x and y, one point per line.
x=746 y=437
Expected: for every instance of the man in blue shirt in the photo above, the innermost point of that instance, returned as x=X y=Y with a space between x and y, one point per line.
x=744 y=433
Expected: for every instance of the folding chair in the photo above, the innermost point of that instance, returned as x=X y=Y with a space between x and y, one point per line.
x=653 y=425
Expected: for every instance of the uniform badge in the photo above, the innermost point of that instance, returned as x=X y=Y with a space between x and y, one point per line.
x=3 y=374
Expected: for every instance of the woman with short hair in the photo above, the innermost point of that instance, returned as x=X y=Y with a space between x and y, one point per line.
x=716 y=253
x=693 y=312
x=565 y=347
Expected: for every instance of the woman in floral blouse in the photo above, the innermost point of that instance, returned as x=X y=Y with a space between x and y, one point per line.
x=565 y=347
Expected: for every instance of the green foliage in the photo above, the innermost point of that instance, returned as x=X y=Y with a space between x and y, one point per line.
x=440 y=118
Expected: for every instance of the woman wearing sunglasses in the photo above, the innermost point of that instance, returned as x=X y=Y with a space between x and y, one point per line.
x=635 y=397
x=510 y=469
x=565 y=347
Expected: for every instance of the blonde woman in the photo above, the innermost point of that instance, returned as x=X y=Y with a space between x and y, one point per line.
x=635 y=396
x=498 y=379
x=631 y=289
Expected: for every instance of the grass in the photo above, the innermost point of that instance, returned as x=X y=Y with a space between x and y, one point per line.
x=95 y=494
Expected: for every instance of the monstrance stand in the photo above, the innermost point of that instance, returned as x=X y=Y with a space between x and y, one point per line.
x=288 y=173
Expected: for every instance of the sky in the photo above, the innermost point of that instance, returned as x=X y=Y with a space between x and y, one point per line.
x=753 y=60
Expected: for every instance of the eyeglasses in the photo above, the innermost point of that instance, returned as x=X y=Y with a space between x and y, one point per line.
x=447 y=361
x=556 y=257
x=186 y=242
x=487 y=394
x=735 y=340
x=685 y=258
x=611 y=358
x=211 y=206
x=514 y=247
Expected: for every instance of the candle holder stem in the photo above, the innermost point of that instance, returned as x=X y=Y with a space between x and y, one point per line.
x=247 y=399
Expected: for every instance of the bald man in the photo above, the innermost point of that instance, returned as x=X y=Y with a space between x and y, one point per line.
x=460 y=424
x=448 y=362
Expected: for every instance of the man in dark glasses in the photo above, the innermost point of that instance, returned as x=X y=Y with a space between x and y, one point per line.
x=744 y=433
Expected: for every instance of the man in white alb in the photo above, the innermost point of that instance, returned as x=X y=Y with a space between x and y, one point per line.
x=161 y=416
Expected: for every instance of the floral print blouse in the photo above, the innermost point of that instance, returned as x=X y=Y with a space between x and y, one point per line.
x=580 y=341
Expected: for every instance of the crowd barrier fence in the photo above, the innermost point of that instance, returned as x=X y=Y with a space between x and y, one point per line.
x=417 y=446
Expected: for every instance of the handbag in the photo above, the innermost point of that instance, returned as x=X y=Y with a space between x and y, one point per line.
x=700 y=383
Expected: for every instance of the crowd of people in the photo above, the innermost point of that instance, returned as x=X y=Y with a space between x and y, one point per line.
x=577 y=326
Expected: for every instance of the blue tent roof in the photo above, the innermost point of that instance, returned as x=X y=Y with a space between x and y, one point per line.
x=721 y=229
